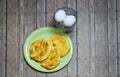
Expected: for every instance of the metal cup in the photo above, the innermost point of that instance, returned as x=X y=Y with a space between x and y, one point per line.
x=61 y=25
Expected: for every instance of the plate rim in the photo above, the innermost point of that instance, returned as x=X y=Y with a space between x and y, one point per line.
x=42 y=29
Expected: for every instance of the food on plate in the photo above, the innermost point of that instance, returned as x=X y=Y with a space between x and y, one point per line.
x=40 y=49
x=48 y=52
x=61 y=43
x=53 y=59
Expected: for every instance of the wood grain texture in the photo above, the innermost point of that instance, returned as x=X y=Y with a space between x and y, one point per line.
x=112 y=38
x=12 y=39
x=21 y=22
x=83 y=38
x=41 y=20
x=101 y=38
x=29 y=25
x=50 y=8
x=118 y=28
x=2 y=37
x=92 y=42
x=72 y=66
x=118 y=15
x=62 y=3
x=95 y=37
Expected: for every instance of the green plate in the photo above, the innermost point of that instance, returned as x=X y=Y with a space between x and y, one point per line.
x=46 y=32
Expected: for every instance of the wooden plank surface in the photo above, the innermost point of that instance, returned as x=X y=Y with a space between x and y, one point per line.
x=112 y=38
x=101 y=38
x=41 y=20
x=50 y=8
x=83 y=28
x=21 y=23
x=12 y=39
x=118 y=29
x=29 y=25
x=95 y=37
x=2 y=38
x=92 y=43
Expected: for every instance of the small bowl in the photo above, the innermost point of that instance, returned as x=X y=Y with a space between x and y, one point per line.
x=60 y=25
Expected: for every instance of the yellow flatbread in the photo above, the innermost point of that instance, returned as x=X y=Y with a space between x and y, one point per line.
x=40 y=49
x=53 y=59
x=49 y=51
x=61 y=43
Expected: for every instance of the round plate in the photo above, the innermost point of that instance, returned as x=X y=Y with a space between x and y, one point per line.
x=46 y=32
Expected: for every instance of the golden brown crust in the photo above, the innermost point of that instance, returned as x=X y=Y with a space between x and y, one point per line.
x=49 y=51
x=61 y=43
x=52 y=61
x=40 y=49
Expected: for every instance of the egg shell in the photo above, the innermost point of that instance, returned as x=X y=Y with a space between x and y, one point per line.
x=69 y=20
x=60 y=15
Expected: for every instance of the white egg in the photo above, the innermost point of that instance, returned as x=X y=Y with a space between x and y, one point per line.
x=69 y=20
x=60 y=15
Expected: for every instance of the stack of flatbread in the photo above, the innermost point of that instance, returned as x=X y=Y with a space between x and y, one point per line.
x=48 y=52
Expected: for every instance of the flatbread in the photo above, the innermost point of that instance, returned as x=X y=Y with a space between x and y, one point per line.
x=53 y=59
x=61 y=43
x=40 y=49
